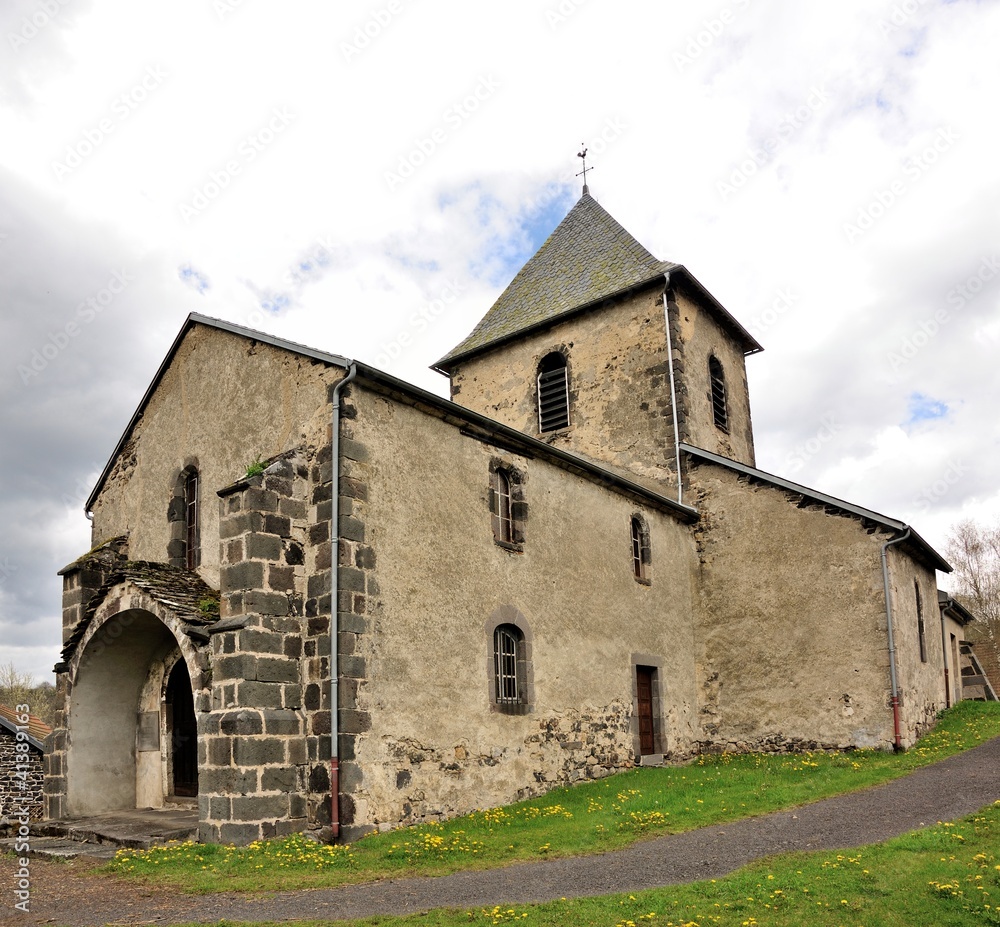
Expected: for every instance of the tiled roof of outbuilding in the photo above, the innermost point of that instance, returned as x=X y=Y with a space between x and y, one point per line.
x=588 y=257
x=37 y=729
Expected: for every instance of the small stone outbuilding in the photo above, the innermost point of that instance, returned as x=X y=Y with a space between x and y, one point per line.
x=322 y=598
x=22 y=749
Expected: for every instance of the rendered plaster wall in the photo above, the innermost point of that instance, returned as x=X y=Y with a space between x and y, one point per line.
x=224 y=402
x=921 y=681
x=426 y=741
x=698 y=335
x=620 y=408
x=793 y=650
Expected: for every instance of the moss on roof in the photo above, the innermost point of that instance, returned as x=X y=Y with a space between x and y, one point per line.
x=589 y=257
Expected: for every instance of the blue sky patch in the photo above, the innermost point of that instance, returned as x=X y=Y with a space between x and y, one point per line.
x=924 y=409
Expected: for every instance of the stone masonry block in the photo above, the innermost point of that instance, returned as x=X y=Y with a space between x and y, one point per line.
x=242 y=576
x=242 y=723
x=260 y=694
x=263 y=546
x=258 y=751
x=277 y=669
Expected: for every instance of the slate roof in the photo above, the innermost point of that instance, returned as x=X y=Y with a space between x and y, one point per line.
x=182 y=591
x=588 y=258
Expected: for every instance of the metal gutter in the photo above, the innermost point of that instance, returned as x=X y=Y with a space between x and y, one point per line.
x=488 y=429
x=751 y=345
x=938 y=562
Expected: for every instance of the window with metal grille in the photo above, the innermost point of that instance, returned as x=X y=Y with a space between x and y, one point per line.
x=921 y=630
x=717 y=377
x=192 y=533
x=506 y=646
x=640 y=549
x=553 y=393
x=503 y=523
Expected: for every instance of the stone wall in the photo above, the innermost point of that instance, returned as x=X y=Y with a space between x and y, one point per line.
x=21 y=778
x=620 y=410
x=793 y=647
x=253 y=773
x=424 y=581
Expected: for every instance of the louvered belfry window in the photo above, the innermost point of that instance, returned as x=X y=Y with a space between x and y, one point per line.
x=553 y=393
x=720 y=412
x=505 y=645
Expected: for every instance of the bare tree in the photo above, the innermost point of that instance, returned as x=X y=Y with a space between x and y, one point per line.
x=15 y=686
x=974 y=551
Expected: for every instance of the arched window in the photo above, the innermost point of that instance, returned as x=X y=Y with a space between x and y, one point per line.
x=508 y=667
x=508 y=508
x=553 y=393
x=717 y=377
x=192 y=530
x=640 y=549
x=921 y=628
x=507 y=660
x=503 y=523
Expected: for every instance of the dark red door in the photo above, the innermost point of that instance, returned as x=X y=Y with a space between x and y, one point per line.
x=644 y=698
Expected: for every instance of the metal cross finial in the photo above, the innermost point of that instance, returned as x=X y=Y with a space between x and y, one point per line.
x=583 y=156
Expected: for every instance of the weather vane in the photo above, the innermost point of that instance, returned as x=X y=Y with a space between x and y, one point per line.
x=583 y=156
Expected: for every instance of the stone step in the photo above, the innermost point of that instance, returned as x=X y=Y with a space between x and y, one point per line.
x=58 y=848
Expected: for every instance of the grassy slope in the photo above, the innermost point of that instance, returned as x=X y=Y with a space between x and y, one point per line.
x=589 y=818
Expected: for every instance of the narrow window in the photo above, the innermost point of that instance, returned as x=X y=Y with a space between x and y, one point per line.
x=640 y=549
x=506 y=644
x=717 y=377
x=503 y=523
x=192 y=534
x=553 y=393
x=920 y=623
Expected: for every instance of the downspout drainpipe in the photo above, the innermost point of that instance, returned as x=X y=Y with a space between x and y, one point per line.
x=334 y=603
x=898 y=741
x=673 y=389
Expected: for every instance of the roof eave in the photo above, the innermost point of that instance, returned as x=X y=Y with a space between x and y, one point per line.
x=193 y=319
x=750 y=344
x=849 y=508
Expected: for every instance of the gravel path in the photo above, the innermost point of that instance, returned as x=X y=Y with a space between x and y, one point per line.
x=952 y=788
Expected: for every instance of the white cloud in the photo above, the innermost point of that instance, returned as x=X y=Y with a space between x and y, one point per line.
x=287 y=144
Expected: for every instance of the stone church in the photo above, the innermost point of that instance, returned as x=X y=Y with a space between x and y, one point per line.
x=571 y=567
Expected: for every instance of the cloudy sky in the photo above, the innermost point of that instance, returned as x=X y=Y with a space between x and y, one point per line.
x=366 y=178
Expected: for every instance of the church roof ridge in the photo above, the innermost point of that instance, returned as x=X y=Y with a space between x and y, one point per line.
x=589 y=257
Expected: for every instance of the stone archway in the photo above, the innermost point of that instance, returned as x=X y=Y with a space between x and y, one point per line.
x=120 y=754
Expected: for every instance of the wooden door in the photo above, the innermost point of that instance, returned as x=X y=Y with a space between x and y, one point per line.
x=644 y=700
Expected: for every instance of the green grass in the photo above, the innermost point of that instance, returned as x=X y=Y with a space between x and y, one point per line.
x=589 y=818
x=943 y=875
